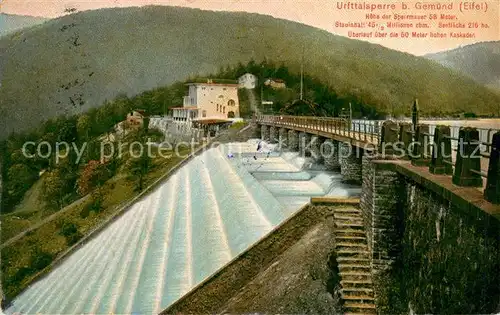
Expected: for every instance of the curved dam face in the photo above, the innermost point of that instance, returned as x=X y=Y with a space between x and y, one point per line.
x=211 y=210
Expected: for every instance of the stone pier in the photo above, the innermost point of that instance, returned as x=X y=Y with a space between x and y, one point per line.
x=330 y=152
x=350 y=163
x=293 y=140
x=304 y=141
x=264 y=133
x=273 y=134
x=315 y=148
x=381 y=202
x=283 y=139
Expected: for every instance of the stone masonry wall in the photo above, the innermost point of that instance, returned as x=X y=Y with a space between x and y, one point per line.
x=304 y=140
x=315 y=148
x=264 y=133
x=350 y=163
x=382 y=200
x=273 y=134
x=439 y=259
x=450 y=261
x=283 y=138
x=366 y=199
x=293 y=140
x=330 y=151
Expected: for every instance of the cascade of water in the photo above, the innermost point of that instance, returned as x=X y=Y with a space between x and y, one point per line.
x=102 y=280
x=82 y=295
x=55 y=299
x=246 y=221
x=165 y=247
x=204 y=215
x=153 y=245
x=180 y=281
x=210 y=245
x=101 y=297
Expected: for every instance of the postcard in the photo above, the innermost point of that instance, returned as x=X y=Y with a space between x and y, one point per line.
x=249 y=156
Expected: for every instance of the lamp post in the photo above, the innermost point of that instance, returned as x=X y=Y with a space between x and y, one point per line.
x=415 y=117
x=414 y=114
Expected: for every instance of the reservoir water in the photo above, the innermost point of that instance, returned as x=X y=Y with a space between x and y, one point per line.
x=212 y=209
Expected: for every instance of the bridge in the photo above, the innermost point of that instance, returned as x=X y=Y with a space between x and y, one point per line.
x=427 y=221
x=431 y=149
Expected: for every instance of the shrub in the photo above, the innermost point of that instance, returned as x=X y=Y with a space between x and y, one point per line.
x=73 y=238
x=19 y=276
x=70 y=232
x=41 y=260
x=238 y=125
x=68 y=229
x=85 y=211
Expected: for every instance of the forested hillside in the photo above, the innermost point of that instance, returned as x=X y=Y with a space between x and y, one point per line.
x=479 y=61
x=76 y=62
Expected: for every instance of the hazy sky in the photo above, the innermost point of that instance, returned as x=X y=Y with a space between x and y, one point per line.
x=319 y=13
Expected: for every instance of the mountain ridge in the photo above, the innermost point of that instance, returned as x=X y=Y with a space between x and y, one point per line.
x=86 y=58
x=11 y=23
x=479 y=61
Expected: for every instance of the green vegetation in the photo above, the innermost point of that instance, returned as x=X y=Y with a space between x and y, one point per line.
x=31 y=254
x=130 y=50
x=70 y=231
x=319 y=98
x=88 y=189
x=480 y=61
x=238 y=125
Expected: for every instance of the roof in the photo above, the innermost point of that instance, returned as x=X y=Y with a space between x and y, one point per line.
x=214 y=84
x=185 y=107
x=211 y=121
x=248 y=73
x=276 y=80
x=140 y=111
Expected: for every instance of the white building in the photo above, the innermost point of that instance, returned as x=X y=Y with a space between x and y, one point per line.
x=275 y=83
x=247 y=81
x=209 y=101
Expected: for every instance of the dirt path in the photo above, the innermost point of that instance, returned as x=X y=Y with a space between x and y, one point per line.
x=44 y=221
x=254 y=104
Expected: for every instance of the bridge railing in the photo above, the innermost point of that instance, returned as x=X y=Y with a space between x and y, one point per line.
x=470 y=155
x=362 y=130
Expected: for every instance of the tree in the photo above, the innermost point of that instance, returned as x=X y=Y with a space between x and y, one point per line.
x=70 y=231
x=54 y=188
x=83 y=127
x=21 y=178
x=139 y=166
x=93 y=175
x=67 y=130
x=121 y=106
x=104 y=118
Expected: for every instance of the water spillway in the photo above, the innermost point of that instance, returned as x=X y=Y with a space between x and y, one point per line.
x=212 y=209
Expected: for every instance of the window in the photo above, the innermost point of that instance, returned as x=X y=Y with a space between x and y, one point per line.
x=231 y=103
x=224 y=89
x=217 y=107
x=230 y=115
x=204 y=113
x=224 y=110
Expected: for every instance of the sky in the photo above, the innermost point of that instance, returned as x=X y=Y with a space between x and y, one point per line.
x=318 y=13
